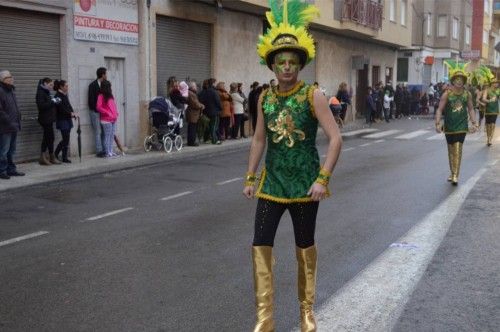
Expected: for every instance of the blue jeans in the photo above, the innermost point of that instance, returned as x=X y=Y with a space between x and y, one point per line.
x=109 y=135
x=95 y=120
x=7 y=151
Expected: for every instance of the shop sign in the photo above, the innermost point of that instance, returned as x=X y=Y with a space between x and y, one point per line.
x=107 y=21
x=470 y=55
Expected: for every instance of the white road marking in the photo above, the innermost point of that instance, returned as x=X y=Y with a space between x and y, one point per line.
x=382 y=134
x=21 y=238
x=435 y=137
x=229 y=181
x=412 y=134
x=379 y=141
x=474 y=137
x=360 y=131
x=388 y=282
x=175 y=196
x=111 y=213
x=347 y=149
x=366 y=144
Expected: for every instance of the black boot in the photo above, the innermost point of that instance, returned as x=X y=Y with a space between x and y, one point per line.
x=58 y=150
x=65 y=155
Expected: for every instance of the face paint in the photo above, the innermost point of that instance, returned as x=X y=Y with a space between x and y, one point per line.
x=458 y=81
x=286 y=62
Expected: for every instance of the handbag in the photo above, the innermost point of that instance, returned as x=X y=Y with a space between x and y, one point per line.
x=245 y=116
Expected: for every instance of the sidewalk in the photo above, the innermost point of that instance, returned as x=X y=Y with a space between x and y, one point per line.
x=36 y=174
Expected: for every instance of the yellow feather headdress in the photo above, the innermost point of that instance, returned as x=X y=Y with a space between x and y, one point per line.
x=288 y=20
x=456 y=68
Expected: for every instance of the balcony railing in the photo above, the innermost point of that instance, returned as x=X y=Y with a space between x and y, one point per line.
x=364 y=12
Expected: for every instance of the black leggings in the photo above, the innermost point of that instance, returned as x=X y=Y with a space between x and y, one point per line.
x=454 y=138
x=48 y=138
x=491 y=118
x=268 y=216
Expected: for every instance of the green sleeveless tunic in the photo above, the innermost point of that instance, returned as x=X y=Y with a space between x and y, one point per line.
x=456 y=118
x=492 y=107
x=292 y=160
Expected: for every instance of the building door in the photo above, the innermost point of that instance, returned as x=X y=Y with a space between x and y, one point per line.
x=375 y=75
x=361 y=90
x=116 y=75
x=183 y=50
x=30 y=49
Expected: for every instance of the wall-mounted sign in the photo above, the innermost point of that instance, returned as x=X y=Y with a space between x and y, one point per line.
x=470 y=55
x=107 y=21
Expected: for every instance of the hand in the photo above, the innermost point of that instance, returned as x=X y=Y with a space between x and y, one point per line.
x=76 y=115
x=473 y=128
x=248 y=191
x=317 y=192
x=439 y=128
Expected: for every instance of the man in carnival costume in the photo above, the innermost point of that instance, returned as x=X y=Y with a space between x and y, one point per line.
x=490 y=98
x=288 y=115
x=456 y=106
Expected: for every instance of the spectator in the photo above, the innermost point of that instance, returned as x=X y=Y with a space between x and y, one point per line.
x=238 y=110
x=193 y=113
x=226 y=114
x=253 y=98
x=10 y=125
x=387 y=105
x=405 y=104
x=388 y=87
x=370 y=106
x=272 y=83
x=106 y=106
x=46 y=118
x=172 y=84
x=64 y=116
x=398 y=100
x=210 y=98
x=343 y=97
x=95 y=121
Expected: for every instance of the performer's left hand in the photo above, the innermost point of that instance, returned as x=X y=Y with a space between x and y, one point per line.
x=317 y=192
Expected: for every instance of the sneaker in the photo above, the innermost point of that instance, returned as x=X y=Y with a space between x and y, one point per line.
x=4 y=176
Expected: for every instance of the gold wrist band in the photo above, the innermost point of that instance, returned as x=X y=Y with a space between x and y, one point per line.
x=250 y=179
x=323 y=177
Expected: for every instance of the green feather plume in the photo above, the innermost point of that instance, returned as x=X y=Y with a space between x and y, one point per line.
x=300 y=14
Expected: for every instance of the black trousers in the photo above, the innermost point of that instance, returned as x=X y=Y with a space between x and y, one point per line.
x=269 y=214
x=454 y=138
x=490 y=118
x=191 y=135
x=48 y=138
x=63 y=144
x=239 y=126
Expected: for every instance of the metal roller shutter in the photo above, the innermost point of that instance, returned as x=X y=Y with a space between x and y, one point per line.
x=308 y=74
x=183 y=50
x=30 y=49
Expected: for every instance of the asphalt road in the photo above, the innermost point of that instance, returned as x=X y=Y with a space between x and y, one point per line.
x=175 y=255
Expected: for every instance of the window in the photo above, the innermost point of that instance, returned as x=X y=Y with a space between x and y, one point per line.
x=429 y=24
x=485 y=37
x=392 y=10
x=402 y=75
x=442 y=21
x=403 y=12
x=467 y=35
x=455 y=28
x=486 y=6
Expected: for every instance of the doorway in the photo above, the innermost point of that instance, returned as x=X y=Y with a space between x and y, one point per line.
x=116 y=75
x=361 y=90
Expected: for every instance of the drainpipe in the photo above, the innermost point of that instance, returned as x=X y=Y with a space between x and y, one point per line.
x=148 y=51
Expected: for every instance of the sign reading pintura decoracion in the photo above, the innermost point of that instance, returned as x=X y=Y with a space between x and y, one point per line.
x=107 y=21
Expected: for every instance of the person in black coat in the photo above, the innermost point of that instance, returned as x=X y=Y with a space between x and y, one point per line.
x=10 y=125
x=64 y=118
x=95 y=117
x=210 y=98
x=253 y=99
x=46 y=118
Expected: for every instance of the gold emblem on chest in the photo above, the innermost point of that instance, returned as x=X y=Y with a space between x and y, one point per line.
x=284 y=129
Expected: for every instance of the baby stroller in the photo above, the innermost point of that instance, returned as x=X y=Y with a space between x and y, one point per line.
x=336 y=108
x=166 y=121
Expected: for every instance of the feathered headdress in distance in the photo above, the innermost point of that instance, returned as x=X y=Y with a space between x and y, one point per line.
x=456 y=68
x=288 y=20
x=486 y=75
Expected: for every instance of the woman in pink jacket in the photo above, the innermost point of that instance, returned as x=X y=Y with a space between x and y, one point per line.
x=106 y=106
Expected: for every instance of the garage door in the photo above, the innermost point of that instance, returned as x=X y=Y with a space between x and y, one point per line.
x=183 y=50
x=30 y=49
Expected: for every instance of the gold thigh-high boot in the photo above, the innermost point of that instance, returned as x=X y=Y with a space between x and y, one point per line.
x=450 y=161
x=263 y=281
x=457 y=159
x=490 y=131
x=306 y=259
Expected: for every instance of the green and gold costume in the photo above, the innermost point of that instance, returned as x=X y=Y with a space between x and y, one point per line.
x=492 y=107
x=455 y=113
x=292 y=160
